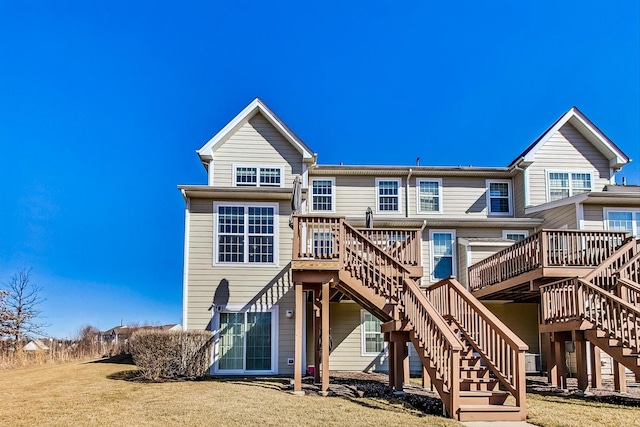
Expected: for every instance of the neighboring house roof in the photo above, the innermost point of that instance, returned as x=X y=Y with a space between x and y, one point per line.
x=256 y=106
x=34 y=345
x=595 y=136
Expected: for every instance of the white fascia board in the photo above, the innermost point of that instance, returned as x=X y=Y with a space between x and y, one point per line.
x=530 y=156
x=579 y=198
x=247 y=113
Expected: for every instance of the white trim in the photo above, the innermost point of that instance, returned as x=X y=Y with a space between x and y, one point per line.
x=185 y=267
x=454 y=253
x=488 y=183
x=394 y=212
x=258 y=167
x=579 y=198
x=568 y=172
x=505 y=232
x=580 y=215
x=363 y=343
x=210 y=172
x=635 y=218
x=333 y=194
x=527 y=191
x=255 y=106
x=240 y=308
x=440 y=197
x=483 y=243
x=246 y=263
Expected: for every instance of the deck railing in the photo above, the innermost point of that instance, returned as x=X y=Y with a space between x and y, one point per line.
x=629 y=291
x=502 y=350
x=547 y=248
x=631 y=269
x=575 y=299
x=403 y=245
x=604 y=276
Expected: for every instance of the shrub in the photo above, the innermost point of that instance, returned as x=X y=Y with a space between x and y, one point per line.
x=171 y=354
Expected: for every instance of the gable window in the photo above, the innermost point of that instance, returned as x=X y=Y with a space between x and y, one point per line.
x=515 y=235
x=388 y=195
x=371 y=336
x=443 y=262
x=429 y=195
x=623 y=220
x=499 y=197
x=245 y=234
x=258 y=176
x=567 y=184
x=322 y=195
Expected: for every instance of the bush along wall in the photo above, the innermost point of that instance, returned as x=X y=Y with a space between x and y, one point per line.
x=163 y=355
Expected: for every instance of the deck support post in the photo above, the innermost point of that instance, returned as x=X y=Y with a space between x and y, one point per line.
x=596 y=367
x=297 y=367
x=560 y=359
x=619 y=377
x=552 y=365
x=400 y=365
x=325 y=338
x=581 y=359
x=426 y=379
x=391 y=361
x=317 y=324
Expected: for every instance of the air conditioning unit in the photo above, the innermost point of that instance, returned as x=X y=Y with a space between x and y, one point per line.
x=532 y=363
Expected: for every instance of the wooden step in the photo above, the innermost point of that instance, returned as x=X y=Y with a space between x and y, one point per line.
x=496 y=397
x=478 y=384
x=476 y=372
x=490 y=413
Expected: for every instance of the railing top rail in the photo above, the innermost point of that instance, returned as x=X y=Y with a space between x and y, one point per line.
x=632 y=260
x=628 y=244
x=319 y=215
x=629 y=283
x=609 y=295
x=377 y=248
x=502 y=329
x=572 y=231
x=565 y=279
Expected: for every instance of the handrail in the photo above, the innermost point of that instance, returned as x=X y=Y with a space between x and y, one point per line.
x=576 y=299
x=604 y=276
x=546 y=248
x=401 y=244
x=629 y=291
x=503 y=351
x=631 y=269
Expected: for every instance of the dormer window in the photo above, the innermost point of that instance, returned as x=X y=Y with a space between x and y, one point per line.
x=257 y=176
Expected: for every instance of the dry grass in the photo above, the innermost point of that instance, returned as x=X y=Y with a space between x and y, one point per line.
x=97 y=394
x=571 y=411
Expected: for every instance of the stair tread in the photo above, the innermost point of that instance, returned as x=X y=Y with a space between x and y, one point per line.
x=483 y=393
x=489 y=408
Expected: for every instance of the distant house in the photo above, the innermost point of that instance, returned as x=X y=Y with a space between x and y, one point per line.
x=35 y=345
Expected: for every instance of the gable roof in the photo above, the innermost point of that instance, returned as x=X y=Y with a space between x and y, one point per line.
x=595 y=136
x=256 y=106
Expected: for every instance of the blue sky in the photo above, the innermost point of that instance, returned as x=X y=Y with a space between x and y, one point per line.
x=102 y=105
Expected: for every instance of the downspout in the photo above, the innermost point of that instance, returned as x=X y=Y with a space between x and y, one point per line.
x=406 y=195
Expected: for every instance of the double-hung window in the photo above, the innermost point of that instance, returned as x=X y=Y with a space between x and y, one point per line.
x=388 y=195
x=515 y=235
x=257 y=176
x=323 y=194
x=443 y=262
x=566 y=184
x=620 y=219
x=499 y=197
x=429 y=195
x=245 y=233
x=371 y=336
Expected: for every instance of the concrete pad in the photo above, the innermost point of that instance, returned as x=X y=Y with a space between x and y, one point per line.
x=497 y=424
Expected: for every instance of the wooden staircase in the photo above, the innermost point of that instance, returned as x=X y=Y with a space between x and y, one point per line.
x=466 y=351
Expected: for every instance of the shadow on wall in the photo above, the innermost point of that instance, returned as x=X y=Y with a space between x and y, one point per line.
x=273 y=292
x=378 y=364
x=479 y=205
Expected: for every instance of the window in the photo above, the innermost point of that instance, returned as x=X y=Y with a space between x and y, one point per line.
x=245 y=341
x=322 y=192
x=623 y=220
x=499 y=197
x=442 y=248
x=258 y=176
x=567 y=184
x=245 y=233
x=388 y=195
x=515 y=235
x=323 y=243
x=372 y=338
x=429 y=195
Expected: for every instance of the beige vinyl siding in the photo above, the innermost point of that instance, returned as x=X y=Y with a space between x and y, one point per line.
x=256 y=142
x=250 y=286
x=593 y=217
x=559 y=217
x=354 y=194
x=566 y=150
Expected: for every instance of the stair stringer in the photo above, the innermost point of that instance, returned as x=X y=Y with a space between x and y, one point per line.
x=629 y=360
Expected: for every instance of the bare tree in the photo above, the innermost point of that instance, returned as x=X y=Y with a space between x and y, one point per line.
x=5 y=315
x=23 y=305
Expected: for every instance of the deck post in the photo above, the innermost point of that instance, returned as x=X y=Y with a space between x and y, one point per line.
x=325 y=338
x=391 y=361
x=581 y=359
x=560 y=359
x=401 y=359
x=317 y=324
x=552 y=365
x=297 y=373
x=596 y=367
x=426 y=379
x=619 y=377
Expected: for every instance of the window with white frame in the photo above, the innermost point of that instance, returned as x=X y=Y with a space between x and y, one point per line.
x=257 y=176
x=499 y=197
x=566 y=184
x=619 y=219
x=388 y=195
x=371 y=336
x=323 y=195
x=323 y=243
x=246 y=341
x=429 y=195
x=515 y=235
x=442 y=245
x=245 y=234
